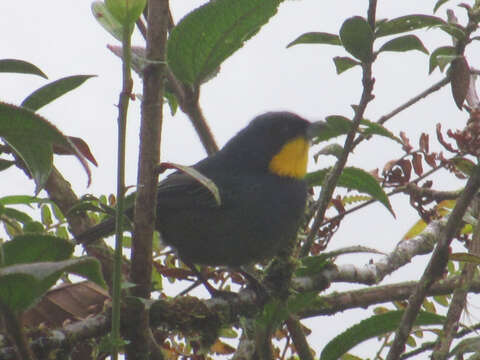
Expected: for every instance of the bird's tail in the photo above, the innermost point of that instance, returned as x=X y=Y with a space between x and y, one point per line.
x=103 y=229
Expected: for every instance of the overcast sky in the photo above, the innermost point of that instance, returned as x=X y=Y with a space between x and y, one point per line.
x=62 y=38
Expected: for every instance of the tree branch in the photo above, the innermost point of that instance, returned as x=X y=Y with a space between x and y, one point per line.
x=435 y=267
x=459 y=299
x=140 y=337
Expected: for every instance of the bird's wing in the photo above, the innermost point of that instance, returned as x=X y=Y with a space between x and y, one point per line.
x=181 y=191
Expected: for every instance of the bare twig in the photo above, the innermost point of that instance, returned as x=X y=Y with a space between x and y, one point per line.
x=435 y=87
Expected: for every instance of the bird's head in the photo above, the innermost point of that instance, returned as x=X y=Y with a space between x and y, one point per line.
x=277 y=142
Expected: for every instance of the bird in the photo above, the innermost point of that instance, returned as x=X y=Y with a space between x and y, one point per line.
x=260 y=177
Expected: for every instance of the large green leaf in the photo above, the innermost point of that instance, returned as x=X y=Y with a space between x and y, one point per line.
x=50 y=92
x=404 y=43
x=372 y=327
x=20 y=66
x=35 y=248
x=357 y=38
x=210 y=34
x=374 y=128
x=407 y=23
x=32 y=138
x=21 y=199
x=340 y=125
x=336 y=125
x=316 y=38
x=356 y=179
x=23 y=285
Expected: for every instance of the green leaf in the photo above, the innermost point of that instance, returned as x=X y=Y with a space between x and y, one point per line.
x=331 y=149
x=465 y=165
x=21 y=199
x=372 y=327
x=5 y=164
x=50 y=92
x=441 y=52
x=438 y=4
x=33 y=227
x=126 y=12
x=373 y=128
x=316 y=38
x=32 y=138
x=172 y=102
x=31 y=248
x=454 y=30
x=442 y=300
x=343 y=63
x=404 y=43
x=23 y=285
x=336 y=125
x=466 y=257
x=312 y=265
x=21 y=67
x=357 y=38
x=407 y=23
x=107 y=20
x=202 y=179
x=356 y=179
x=210 y=34
x=11 y=213
x=46 y=215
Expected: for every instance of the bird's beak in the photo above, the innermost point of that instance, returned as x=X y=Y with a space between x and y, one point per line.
x=315 y=129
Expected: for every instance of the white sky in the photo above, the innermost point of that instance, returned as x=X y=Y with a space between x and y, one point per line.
x=62 y=38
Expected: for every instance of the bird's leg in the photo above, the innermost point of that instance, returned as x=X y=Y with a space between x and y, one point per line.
x=201 y=278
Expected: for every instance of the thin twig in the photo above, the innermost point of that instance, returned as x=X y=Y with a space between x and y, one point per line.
x=298 y=337
x=332 y=177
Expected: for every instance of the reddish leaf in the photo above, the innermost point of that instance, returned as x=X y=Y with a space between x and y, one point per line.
x=430 y=159
x=407 y=168
x=460 y=80
x=417 y=164
x=442 y=141
x=81 y=146
x=389 y=166
x=424 y=141
x=406 y=142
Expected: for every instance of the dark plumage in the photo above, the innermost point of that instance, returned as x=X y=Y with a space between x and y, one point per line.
x=260 y=210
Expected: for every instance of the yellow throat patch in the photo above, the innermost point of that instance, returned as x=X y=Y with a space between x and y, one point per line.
x=292 y=159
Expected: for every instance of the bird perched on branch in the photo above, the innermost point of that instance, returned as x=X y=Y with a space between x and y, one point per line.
x=259 y=174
